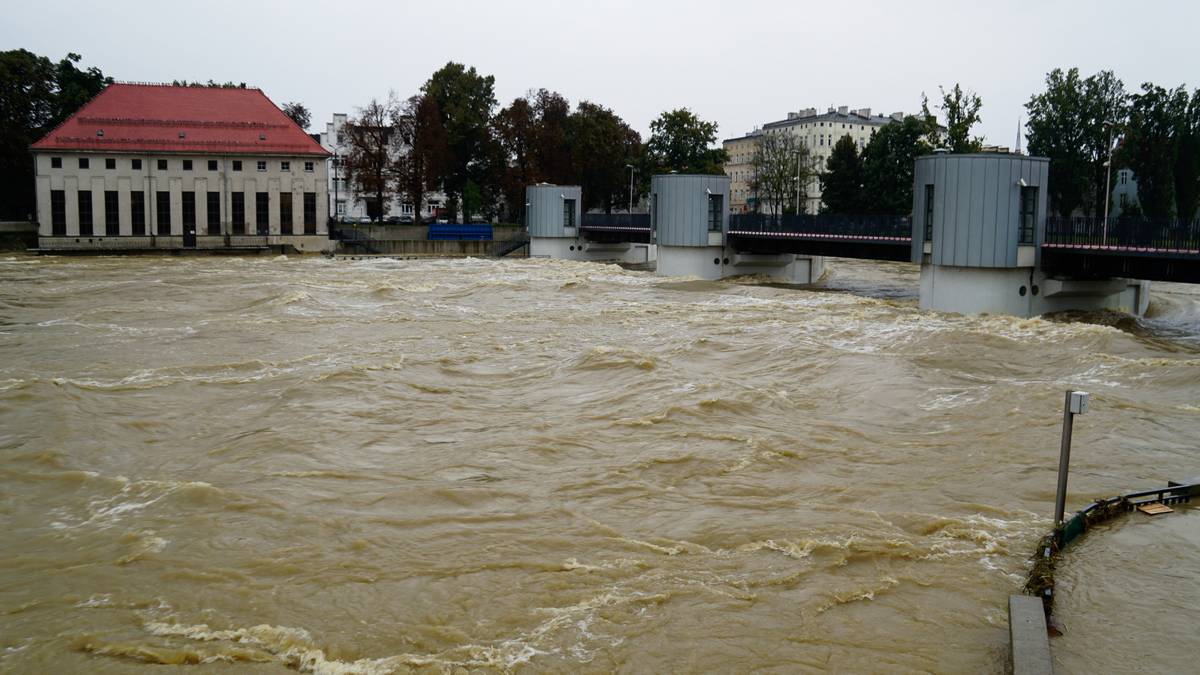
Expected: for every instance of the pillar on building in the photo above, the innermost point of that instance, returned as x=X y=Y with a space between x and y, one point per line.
x=978 y=226
x=689 y=215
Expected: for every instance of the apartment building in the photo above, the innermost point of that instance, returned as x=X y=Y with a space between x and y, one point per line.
x=147 y=166
x=818 y=132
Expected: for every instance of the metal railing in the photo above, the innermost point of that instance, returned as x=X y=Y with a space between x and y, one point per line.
x=635 y=221
x=1178 y=235
x=834 y=225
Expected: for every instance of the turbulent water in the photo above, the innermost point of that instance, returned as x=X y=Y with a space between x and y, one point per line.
x=379 y=466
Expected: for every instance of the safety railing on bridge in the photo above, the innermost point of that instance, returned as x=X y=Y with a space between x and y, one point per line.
x=1125 y=234
x=824 y=225
x=614 y=221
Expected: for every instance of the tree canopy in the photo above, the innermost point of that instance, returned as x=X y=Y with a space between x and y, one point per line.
x=842 y=181
x=682 y=142
x=299 y=114
x=35 y=95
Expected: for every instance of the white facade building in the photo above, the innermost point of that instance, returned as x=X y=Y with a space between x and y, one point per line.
x=348 y=205
x=163 y=167
x=818 y=132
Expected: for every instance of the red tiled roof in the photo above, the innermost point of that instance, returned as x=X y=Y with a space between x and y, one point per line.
x=162 y=118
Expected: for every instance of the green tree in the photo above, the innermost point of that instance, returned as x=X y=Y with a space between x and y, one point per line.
x=602 y=148
x=842 y=180
x=681 y=142
x=298 y=113
x=1151 y=146
x=961 y=109
x=1056 y=129
x=549 y=142
x=1105 y=110
x=419 y=130
x=465 y=100
x=888 y=162
x=35 y=96
x=1187 y=162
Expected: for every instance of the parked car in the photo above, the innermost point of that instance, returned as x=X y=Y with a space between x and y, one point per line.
x=393 y=220
x=406 y=220
x=364 y=220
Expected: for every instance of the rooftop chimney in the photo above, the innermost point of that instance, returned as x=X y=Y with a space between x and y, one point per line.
x=843 y=109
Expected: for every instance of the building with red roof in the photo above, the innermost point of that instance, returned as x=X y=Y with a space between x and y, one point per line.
x=145 y=166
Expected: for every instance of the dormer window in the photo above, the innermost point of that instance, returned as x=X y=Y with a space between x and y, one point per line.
x=183 y=134
x=100 y=133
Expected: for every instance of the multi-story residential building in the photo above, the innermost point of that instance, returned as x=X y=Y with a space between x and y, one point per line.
x=740 y=169
x=346 y=203
x=158 y=166
x=818 y=132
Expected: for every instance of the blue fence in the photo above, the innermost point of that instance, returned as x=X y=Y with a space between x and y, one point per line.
x=460 y=232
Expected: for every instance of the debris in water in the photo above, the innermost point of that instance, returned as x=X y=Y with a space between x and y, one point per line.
x=1154 y=509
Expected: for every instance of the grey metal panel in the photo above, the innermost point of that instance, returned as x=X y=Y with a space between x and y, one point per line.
x=921 y=173
x=682 y=218
x=1043 y=180
x=1014 y=214
x=962 y=224
x=989 y=251
x=975 y=218
x=544 y=213
x=944 y=247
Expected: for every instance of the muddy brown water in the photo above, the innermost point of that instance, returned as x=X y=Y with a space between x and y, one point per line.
x=252 y=465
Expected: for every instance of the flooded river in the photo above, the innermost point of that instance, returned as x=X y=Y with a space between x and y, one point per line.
x=255 y=465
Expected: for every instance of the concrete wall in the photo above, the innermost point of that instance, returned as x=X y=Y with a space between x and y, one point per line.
x=679 y=208
x=544 y=213
x=150 y=180
x=1024 y=292
x=976 y=208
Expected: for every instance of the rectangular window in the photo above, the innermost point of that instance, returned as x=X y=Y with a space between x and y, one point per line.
x=136 y=164
x=568 y=213
x=285 y=166
x=237 y=212
x=716 y=208
x=56 y=162
x=187 y=165
x=137 y=213
x=214 y=213
x=262 y=166
x=112 y=214
x=85 y=213
x=58 y=213
x=163 y=213
x=237 y=165
x=189 y=211
x=262 y=210
x=285 y=213
x=110 y=163
x=928 y=213
x=162 y=165
x=83 y=162
x=1029 y=198
x=212 y=165
x=308 y=166
x=310 y=213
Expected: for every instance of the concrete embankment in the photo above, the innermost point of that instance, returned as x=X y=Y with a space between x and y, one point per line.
x=17 y=235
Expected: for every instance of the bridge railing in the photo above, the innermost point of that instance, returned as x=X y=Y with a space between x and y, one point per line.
x=839 y=225
x=639 y=221
x=1125 y=233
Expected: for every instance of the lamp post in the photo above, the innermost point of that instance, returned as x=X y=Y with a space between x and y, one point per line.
x=336 y=193
x=1107 y=181
x=630 y=167
x=1076 y=404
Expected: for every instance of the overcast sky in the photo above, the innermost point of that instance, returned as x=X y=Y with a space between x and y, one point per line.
x=739 y=63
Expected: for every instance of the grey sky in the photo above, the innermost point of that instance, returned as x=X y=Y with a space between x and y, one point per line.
x=737 y=62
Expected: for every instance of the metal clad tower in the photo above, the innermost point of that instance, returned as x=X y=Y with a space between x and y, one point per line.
x=978 y=226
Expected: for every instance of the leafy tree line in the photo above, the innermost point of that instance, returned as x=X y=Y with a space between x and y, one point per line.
x=452 y=136
x=36 y=94
x=1077 y=122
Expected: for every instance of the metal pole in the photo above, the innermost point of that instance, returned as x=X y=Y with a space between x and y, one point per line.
x=1076 y=403
x=630 y=167
x=1107 y=185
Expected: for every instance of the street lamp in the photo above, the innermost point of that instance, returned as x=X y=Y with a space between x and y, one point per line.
x=1107 y=181
x=336 y=193
x=630 y=167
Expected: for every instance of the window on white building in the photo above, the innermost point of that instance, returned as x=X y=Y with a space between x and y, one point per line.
x=262 y=165
x=285 y=166
x=308 y=166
